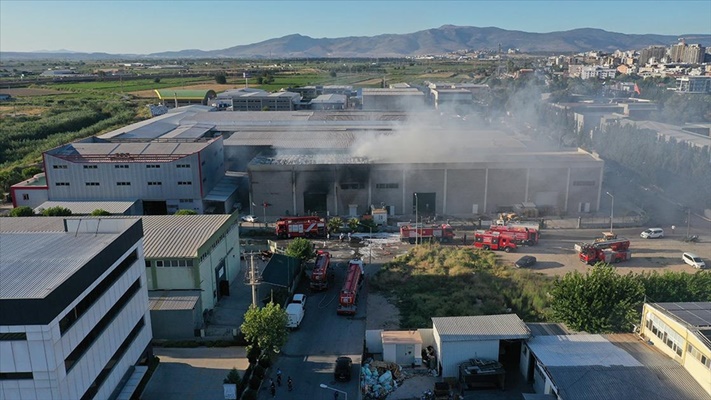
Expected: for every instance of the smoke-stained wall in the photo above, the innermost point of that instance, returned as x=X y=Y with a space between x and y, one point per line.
x=465 y=191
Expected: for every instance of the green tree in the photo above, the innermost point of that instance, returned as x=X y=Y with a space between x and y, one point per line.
x=57 y=211
x=333 y=73
x=353 y=224
x=22 y=211
x=266 y=327
x=335 y=224
x=220 y=79
x=99 y=212
x=300 y=248
x=598 y=302
x=186 y=212
x=233 y=377
x=156 y=80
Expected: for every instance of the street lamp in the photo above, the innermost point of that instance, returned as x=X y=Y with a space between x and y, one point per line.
x=417 y=233
x=323 y=386
x=612 y=209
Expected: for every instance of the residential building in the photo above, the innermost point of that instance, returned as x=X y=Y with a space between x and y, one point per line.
x=652 y=53
x=590 y=72
x=693 y=84
x=74 y=319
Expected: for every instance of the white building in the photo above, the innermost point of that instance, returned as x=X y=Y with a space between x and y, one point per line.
x=458 y=339
x=401 y=99
x=74 y=318
x=693 y=84
x=590 y=72
x=257 y=100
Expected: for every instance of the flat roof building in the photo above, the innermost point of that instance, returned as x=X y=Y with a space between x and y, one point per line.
x=74 y=319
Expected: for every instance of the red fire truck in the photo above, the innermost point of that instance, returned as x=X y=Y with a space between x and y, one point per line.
x=349 y=294
x=319 y=276
x=609 y=251
x=489 y=240
x=291 y=227
x=440 y=233
x=522 y=235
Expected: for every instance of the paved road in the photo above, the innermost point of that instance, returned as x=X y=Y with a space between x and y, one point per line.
x=310 y=354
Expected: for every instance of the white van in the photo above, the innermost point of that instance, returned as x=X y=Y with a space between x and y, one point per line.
x=295 y=313
x=652 y=233
x=693 y=260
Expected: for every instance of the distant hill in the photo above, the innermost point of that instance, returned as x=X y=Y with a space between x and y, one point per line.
x=440 y=40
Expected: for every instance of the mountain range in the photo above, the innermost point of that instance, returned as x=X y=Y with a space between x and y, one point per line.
x=445 y=39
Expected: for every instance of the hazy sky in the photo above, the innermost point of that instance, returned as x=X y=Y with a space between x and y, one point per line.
x=141 y=27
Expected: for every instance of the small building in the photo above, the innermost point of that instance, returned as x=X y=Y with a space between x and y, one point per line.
x=402 y=347
x=257 y=100
x=459 y=339
x=30 y=192
x=329 y=102
x=87 y=207
x=401 y=99
x=176 y=314
x=178 y=98
x=452 y=98
x=683 y=332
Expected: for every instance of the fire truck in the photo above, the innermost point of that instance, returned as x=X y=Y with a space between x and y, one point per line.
x=609 y=251
x=490 y=240
x=522 y=235
x=440 y=233
x=319 y=276
x=291 y=227
x=349 y=294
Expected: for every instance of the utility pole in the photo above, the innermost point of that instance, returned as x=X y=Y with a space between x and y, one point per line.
x=688 y=222
x=253 y=279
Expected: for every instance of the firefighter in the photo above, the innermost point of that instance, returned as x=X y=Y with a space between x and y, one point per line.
x=290 y=383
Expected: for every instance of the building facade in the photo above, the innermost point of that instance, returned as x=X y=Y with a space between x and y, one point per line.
x=74 y=318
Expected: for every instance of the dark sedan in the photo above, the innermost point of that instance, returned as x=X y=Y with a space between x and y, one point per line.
x=526 y=261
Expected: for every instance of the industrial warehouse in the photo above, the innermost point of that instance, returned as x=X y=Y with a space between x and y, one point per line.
x=326 y=162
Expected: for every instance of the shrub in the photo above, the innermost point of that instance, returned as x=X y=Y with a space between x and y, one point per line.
x=233 y=377
x=23 y=211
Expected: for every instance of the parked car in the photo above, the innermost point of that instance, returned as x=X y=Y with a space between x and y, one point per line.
x=693 y=260
x=652 y=233
x=294 y=314
x=299 y=298
x=249 y=218
x=526 y=261
x=342 y=371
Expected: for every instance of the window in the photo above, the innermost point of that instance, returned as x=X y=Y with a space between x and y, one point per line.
x=11 y=376
x=347 y=186
x=91 y=166
x=183 y=165
x=186 y=200
x=13 y=336
x=148 y=264
x=92 y=183
x=123 y=183
x=61 y=183
x=386 y=185
x=155 y=183
x=121 y=166
x=59 y=166
x=159 y=263
x=25 y=196
x=99 y=328
x=175 y=263
x=153 y=166
x=182 y=183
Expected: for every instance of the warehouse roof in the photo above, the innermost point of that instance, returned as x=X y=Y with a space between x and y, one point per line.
x=593 y=367
x=330 y=98
x=480 y=327
x=165 y=236
x=128 y=152
x=165 y=300
x=87 y=207
x=179 y=236
x=308 y=159
x=181 y=94
x=28 y=273
x=693 y=314
x=401 y=337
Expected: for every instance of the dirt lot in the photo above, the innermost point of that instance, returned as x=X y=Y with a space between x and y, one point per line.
x=556 y=255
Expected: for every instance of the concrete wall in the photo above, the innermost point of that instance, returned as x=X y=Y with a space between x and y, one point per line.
x=176 y=324
x=454 y=353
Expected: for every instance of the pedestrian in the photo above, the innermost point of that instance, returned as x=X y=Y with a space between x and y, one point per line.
x=328 y=236
x=340 y=237
x=349 y=236
x=290 y=383
x=273 y=389
x=464 y=239
x=279 y=376
x=335 y=395
x=673 y=227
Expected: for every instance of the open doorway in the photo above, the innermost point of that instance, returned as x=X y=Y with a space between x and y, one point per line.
x=424 y=203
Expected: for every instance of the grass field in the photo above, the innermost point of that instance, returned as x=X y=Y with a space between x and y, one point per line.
x=129 y=85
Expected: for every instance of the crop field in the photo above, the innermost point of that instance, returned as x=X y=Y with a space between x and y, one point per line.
x=129 y=85
x=29 y=92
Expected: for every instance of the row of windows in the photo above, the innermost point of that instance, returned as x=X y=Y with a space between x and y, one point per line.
x=386 y=185
x=94 y=387
x=186 y=200
x=155 y=183
x=92 y=183
x=59 y=166
x=346 y=186
x=699 y=356
x=174 y=263
x=73 y=315
x=61 y=183
x=184 y=183
x=123 y=183
x=91 y=166
x=183 y=165
x=94 y=334
x=583 y=183
x=119 y=166
x=153 y=166
x=666 y=334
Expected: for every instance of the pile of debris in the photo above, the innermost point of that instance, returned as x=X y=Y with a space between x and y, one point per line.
x=380 y=378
